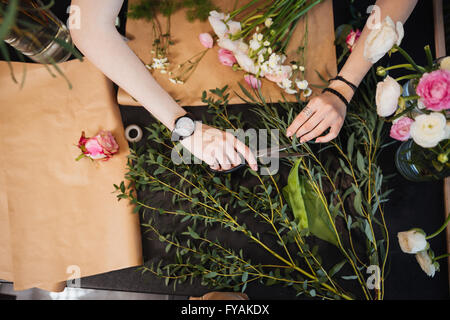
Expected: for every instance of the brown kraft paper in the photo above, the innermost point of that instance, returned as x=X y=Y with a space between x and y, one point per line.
x=59 y=216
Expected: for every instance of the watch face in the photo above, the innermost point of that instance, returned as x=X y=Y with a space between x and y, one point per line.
x=185 y=127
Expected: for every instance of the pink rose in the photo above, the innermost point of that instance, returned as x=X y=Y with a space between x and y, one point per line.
x=227 y=57
x=252 y=81
x=352 y=37
x=107 y=142
x=434 y=89
x=102 y=146
x=206 y=40
x=400 y=129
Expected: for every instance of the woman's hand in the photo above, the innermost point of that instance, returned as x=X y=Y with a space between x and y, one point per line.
x=323 y=112
x=220 y=150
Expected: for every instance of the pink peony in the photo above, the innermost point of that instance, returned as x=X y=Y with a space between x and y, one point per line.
x=434 y=89
x=252 y=81
x=400 y=129
x=206 y=40
x=352 y=37
x=227 y=57
x=102 y=146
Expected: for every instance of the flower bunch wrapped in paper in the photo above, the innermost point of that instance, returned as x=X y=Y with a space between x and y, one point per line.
x=256 y=43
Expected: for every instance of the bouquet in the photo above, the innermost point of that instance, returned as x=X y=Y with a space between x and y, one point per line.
x=101 y=147
x=418 y=109
x=257 y=43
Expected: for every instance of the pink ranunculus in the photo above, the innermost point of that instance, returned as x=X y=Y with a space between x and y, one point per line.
x=227 y=57
x=434 y=89
x=400 y=129
x=206 y=40
x=252 y=81
x=352 y=37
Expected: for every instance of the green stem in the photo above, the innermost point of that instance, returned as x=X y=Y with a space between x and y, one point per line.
x=419 y=69
x=409 y=77
x=442 y=228
x=442 y=256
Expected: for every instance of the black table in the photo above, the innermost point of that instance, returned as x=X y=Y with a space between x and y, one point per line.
x=411 y=204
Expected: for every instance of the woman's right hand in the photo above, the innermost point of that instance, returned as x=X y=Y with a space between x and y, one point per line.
x=219 y=149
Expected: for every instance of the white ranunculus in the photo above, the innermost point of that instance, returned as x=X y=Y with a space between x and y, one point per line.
x=388 y=92
x=246 y=63
x=382 y=39
x=412 y=241
x=426 y=263
x=429 y=129
x=445 y=63
x=216 y=21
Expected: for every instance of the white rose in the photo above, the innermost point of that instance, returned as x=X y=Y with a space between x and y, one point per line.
x=228 y=44
x=426 y=263
x=382 y=39
x=428 y=130
x=387 y=96
x=246 y=63
x=412 y=241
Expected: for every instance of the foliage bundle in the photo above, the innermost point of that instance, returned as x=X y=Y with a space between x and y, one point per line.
x=211 y=218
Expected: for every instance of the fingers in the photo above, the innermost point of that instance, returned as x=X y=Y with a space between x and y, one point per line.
x=247 y=153
x=302 y=117
x=317 y=131
x=334 y=131
x=309 y=125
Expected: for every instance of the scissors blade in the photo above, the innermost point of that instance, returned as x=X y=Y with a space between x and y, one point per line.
x=273 y=152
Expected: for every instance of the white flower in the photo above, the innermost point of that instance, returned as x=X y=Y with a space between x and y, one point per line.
x=382 y=39
x=234 y=27
x=270 y=50
x=228 y=44
x=268 y=23
x=259 y=37
x=246 y=63
x=261 y=58
x=216 y=21
x=426 y=263
x=301 y=68
x=159 y=64
x=302 y=85
x=428 y=130
x=445 y=63
x=412 y=241
x=307 y=93
x=286 y=84
x=266 y=43
x=388 y=93
x=254 y=44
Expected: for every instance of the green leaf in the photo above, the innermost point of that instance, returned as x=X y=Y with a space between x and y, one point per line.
x=8 y=19
x=308 y=207
x=210 y=275
x=336 y=268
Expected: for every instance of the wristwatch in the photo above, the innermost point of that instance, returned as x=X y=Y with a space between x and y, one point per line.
x=184 y=127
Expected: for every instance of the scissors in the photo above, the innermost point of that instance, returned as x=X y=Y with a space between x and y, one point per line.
x=275 y=152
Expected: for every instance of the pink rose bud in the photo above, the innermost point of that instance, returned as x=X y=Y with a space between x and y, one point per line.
x=252 y=81
x=400 y=129
x=206 y=40
x=352 y=37
x=226 y=57
x=434 y=89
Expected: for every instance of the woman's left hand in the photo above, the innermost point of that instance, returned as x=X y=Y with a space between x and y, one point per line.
x=323 y=112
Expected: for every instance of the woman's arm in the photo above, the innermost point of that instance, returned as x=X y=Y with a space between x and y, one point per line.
x=327 y=110
x=102 y=44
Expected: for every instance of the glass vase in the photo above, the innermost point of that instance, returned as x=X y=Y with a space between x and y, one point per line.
x=38 y=34
x=414 y=163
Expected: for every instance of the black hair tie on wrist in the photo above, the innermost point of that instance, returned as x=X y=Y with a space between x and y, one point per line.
x=351 y=85
x=337 y=94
